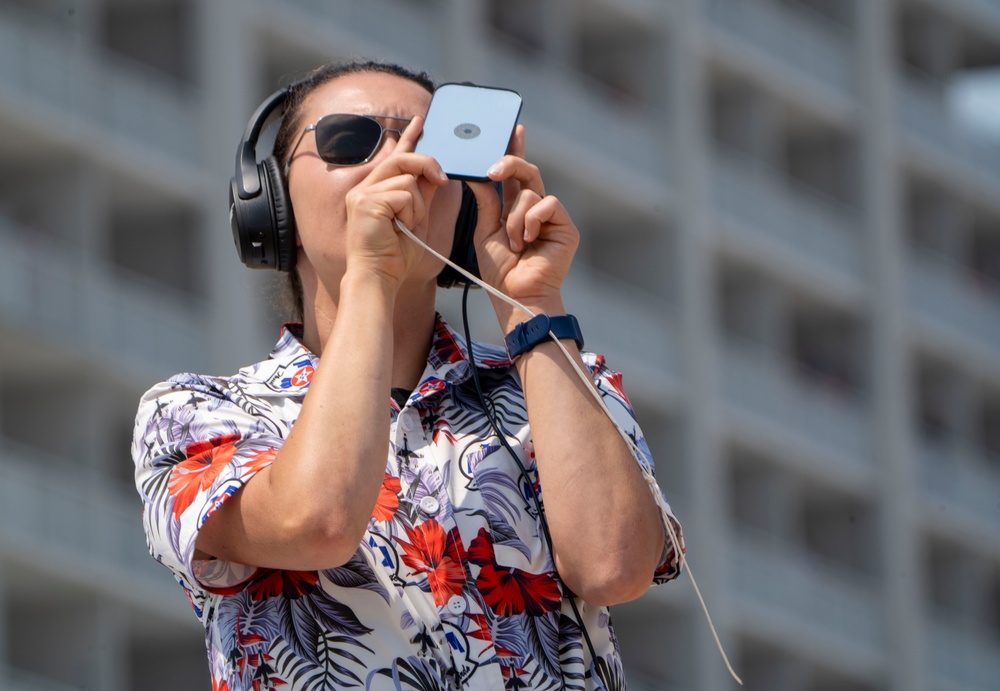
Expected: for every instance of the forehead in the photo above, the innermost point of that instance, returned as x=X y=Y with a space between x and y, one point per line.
x=368 y=93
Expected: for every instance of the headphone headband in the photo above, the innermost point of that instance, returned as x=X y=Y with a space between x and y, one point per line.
x=248 y=182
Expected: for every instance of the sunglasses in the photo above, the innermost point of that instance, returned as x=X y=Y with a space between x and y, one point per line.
x=346 y=139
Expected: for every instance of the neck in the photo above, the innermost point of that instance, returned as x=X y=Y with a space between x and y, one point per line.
x=413 y=327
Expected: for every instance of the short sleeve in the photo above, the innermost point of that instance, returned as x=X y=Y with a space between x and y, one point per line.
x=609 y=383
x=197 y=441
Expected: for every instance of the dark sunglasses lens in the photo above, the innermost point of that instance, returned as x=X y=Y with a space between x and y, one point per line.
x=347 y=140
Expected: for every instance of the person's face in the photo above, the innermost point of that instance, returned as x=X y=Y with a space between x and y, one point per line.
x=317 y=190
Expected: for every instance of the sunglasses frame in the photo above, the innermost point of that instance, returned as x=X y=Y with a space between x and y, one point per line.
x=378 y=144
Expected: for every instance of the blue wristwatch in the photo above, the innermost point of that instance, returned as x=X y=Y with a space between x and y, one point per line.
x=527 y=335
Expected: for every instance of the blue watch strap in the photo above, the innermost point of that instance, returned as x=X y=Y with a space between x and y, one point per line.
x=527 y=335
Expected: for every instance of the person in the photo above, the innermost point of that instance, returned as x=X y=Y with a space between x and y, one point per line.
x=343 y=514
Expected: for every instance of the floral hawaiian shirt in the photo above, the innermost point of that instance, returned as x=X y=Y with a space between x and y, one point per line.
x=451 y=587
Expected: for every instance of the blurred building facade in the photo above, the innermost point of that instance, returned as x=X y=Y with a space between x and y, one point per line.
x=789 y=246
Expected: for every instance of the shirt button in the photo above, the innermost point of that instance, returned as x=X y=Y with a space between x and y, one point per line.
x=429 y=505
x=408 y=423
x=456 y=604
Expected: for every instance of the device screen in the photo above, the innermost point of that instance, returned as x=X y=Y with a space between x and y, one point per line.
x=468 y=128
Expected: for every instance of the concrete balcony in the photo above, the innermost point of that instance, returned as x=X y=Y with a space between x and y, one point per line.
x=808 y=598
x=635 y=330
x=562 y=101
x=19 y=680
x=985 y=12
x=87 y=524
x=767 y=398
x=924 y=117
x=408 y=28
x=806 y=44
x=961 y=658
x=84 y=90
x=113 y=319
x=965 y=485
x=760 y=208
x=949 y=298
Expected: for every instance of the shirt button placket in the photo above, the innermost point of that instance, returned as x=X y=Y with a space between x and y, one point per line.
x=407 y=422
x=457 y=604
x=429 y=505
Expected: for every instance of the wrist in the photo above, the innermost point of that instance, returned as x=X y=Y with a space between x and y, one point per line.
x=540 y=329
x=373 y=284
x=509 y=316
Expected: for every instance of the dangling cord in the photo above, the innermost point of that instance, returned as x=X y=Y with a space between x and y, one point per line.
x=600 y=401
x=487 y=405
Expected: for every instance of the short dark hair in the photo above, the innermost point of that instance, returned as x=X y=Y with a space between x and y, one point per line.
x=291 y=300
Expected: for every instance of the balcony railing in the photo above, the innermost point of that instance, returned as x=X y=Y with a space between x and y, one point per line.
x=20 y=680
x=813 y=46
x=806 y=589
x=966 y=659
x=44 y=289
x=945 y=292
x=764 y=386
x=756 y=199
x=404 y=26
x=626 y=324
x=966 y=484
x=923 y=113
x=559 y=98
x=88 y=86
x=74 y=517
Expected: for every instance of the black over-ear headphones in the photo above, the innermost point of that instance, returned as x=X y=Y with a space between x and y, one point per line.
x=261 y=217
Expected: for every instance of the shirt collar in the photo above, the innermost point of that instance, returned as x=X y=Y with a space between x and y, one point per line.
x=448 y=361
x=291 y=365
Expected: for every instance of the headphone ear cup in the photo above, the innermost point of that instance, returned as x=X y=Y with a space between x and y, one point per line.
x=463 y=250
x=282 y=218
x=250 y=219
x=262 y=224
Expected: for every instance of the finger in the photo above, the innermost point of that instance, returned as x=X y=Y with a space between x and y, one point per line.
x=515 y=228
x=417 y=165
x=516 y=147
x=402 y=196
x=514 y=168
x=411 y=133
x=547 y=212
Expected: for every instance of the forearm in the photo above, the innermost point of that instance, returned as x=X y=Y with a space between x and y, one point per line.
x=605 y=526
x=309 y=509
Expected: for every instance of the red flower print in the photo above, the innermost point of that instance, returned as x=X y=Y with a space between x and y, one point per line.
x=205 y=461
x=438 y=554
x=615 y=381
x=388 y=499
x=269 y=583
x=508 y=590
x=260 y=461
x=445 y=344
x=598 y=365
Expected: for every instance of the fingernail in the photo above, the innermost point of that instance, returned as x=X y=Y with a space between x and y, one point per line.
x=495 y=170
